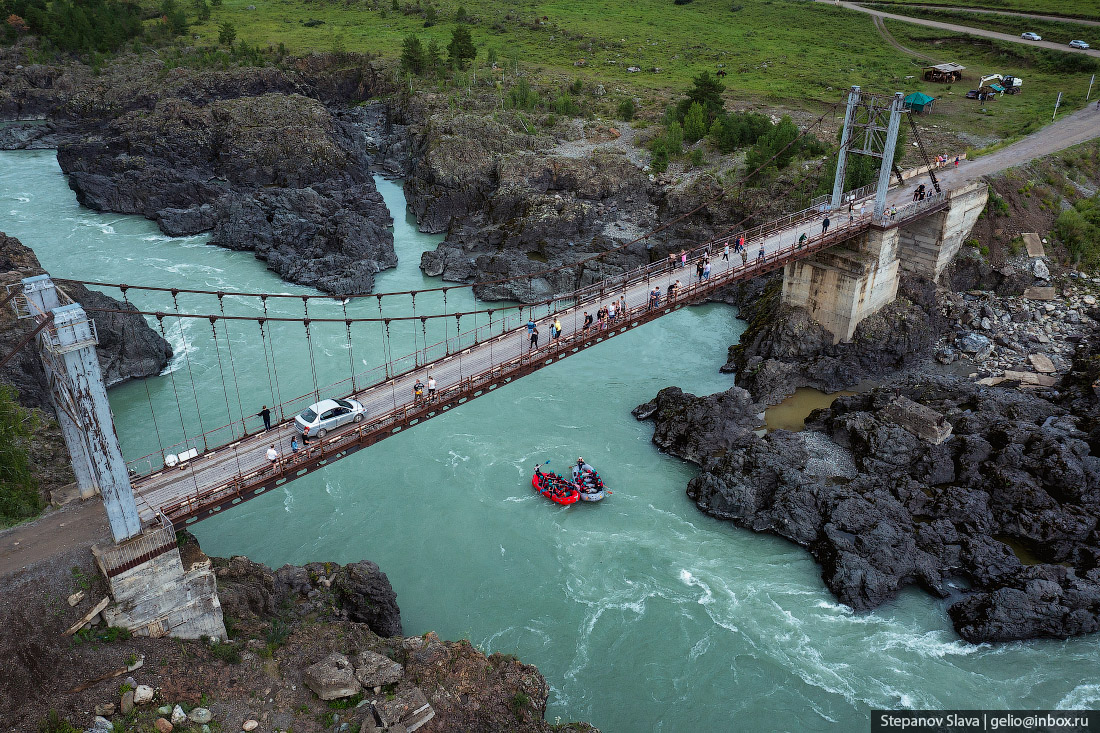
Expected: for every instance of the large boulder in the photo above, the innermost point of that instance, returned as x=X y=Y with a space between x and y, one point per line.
x=332 y=678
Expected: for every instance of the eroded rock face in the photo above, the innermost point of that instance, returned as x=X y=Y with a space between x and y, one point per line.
x=881 y=508
x=128 y=347
x=784 y=348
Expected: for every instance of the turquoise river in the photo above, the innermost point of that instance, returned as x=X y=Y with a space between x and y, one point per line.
x=642 y=613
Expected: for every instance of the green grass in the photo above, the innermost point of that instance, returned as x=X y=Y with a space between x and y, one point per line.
x=1089 y=9
x=1044 y=74
x=1050 y=30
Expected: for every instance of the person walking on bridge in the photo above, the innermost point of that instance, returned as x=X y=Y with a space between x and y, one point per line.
x=706 y=270
x=802 y=239
x=431 y=388
x=555 y=330
x=744 y=256
x=587 y=322
x=655 y=298
x=418 y=391
x=760 y=257
x=622 y=306
x=672 y=290
x=683 y=258
x=726 y=251
x=825 y=225
x=272 y=455
x=266 y=415
x=534 y=338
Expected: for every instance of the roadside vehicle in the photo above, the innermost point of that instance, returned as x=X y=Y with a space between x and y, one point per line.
x=319 y=419
x=1029 y=36
x=1078 y=44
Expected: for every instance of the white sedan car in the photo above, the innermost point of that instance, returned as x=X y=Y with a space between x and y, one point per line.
x=318 y=420
x=1078 y=44
x=1029 y=36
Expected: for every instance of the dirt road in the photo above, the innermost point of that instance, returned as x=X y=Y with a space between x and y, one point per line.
x=1070 y=130
x=1033 y=16
x=78 y=523
x=970 y=30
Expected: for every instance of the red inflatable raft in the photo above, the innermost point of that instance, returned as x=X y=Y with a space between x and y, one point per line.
x=554 y=487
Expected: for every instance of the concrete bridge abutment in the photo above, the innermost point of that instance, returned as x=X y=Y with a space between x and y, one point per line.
x=847 y=283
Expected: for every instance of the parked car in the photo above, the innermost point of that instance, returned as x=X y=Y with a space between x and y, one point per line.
x=319 y=419
x=1078 y=44
x=1029 y=36
x=972 y=94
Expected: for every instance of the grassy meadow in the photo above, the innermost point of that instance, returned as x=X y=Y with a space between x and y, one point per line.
x=1043 y=73
x=780 y=53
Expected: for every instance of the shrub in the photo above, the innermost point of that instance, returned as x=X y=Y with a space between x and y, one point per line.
x=626 y=110
x=695 y=123
x=461 y=48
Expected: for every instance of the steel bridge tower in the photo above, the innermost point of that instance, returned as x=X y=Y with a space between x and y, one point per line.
x=66 y=342
x=870 y=128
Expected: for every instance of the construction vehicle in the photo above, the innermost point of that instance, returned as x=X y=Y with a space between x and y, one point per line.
x=1002 y=83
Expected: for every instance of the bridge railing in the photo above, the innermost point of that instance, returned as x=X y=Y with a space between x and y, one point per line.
x=510 y=319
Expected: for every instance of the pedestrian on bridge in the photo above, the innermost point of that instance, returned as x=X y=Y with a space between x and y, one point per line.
x=587 y=322
x=431 y=388
x=272 y=455
x=555 y=330
x=418 y=391
x=671 y=261
x=699 y=270
x=726 y=251
x=683 y=258
x=622 y=306
x=825 y=225
x=672 y=290
x=802 y=239
x=535 y=337
x=760 y=257
x=294 y=444
x=744 y=256
x=706 y=271
x=655 y=298
x=530 y=325
x=862 y=208
x=266 y=415
x=611 y=311
x=851 y=207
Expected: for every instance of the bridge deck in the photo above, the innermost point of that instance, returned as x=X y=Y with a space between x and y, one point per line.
x=225 y=476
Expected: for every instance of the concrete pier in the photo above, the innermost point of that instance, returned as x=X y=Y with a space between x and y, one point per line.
x=845 y=284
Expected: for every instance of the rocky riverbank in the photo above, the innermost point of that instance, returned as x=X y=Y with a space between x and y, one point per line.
x=980 y=495
x=312 y=648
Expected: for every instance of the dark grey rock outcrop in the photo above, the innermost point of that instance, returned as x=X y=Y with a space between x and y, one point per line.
x=881 y=508
x=360 y=592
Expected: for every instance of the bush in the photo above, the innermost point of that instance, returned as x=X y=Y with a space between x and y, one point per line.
x=1079 y=230
x=695 y=123
x=461 y=48
x=626 y=110
x=521 y=96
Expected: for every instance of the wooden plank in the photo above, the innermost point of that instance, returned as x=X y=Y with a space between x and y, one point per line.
x=96 y=610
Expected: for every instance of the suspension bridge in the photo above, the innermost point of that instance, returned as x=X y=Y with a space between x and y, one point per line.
x=207 y=473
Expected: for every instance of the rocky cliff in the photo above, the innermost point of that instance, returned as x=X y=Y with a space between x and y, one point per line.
x=999 y=517
x=255 y=155
x=128 y=347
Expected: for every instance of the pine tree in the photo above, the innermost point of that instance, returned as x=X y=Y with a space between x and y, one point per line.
x=227 y=34
x=461 y=48
x=412 y=55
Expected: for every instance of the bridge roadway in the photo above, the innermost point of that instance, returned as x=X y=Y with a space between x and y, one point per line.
x=225 y=476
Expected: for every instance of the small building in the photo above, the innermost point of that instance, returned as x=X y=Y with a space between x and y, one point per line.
x=919 y=103
x=944 y=73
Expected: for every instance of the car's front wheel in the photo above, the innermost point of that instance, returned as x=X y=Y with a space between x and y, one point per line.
x=322 y=433
x=359 y=417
